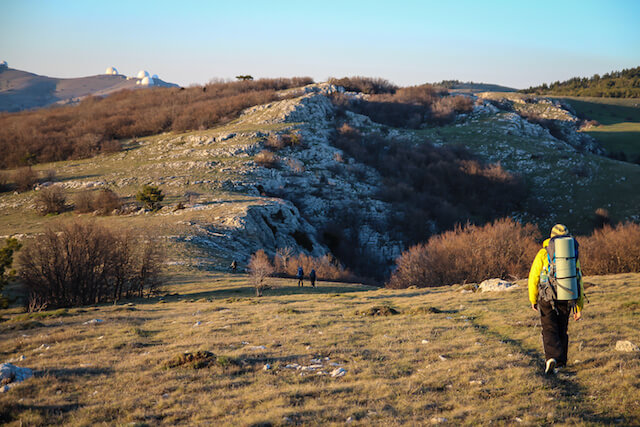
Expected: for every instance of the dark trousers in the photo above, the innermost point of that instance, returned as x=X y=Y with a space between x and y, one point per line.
x=554 y=330
x=300 y=281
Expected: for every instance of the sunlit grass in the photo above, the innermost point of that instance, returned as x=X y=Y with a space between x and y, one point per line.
x=469 y=358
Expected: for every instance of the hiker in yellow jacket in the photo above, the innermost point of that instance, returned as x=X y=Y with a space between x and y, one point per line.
x=554 y=314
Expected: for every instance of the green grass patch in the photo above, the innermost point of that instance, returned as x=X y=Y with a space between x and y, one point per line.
x=40 y=315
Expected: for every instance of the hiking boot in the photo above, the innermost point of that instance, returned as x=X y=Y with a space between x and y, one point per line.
x=551 y=364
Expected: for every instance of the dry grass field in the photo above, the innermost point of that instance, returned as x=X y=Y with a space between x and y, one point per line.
x=448 y=357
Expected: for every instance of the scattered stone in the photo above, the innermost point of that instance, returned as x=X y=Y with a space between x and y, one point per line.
x=43 y=347
x=626 y=346
x=198 y=323
x=258 y=347
x=349 y=420
x=338 y=372
x=93 y=321
x=496 y=285
x=438 y=420
x=10 y=375
x=425 y=341
x=476 y=382
x=441 y=357
x=165 y=396
x=518 y=419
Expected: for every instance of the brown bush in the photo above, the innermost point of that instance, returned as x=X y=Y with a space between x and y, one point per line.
x=80 y=263
x=99 y=124
x=267 y=159
x=408 y=106
x=326 y=267
x=277 y=142
x=601 y=219
x=260 y=268
x=369 y=85
x=611 y=250
x=472 y=253
x=83 y=202
x=103 y=201
x=106 y=201
x=24 y=178
x=51 y=200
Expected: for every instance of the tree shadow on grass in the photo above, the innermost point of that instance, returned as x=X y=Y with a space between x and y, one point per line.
x=73 y=372
x=13 y=411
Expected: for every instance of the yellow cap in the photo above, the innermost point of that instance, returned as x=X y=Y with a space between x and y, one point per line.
x=559 y=230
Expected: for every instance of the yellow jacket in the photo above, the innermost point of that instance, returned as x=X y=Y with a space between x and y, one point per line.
x=542 y=262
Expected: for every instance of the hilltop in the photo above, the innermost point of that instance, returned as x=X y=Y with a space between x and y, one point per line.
x=322 y=194
x=21 y=90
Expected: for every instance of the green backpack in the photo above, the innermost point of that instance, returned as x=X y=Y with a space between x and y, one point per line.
x=560 y=280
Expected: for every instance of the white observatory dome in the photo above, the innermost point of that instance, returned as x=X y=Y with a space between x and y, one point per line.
x=142 y=74
x=3 y=64
x=111 y=71
x=147 y=81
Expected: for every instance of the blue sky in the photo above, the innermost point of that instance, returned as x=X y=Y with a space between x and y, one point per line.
x=515 y=43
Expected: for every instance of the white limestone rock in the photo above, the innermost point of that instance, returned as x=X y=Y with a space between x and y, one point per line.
x=496 y=285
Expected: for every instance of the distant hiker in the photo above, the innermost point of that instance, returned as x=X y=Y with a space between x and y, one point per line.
x=312 y=278
x=300 y=276
x=234 y=266
x=556 y=291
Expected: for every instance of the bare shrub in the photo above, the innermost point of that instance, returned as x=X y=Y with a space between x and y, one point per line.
x=25 y=178
x=83 y=202
x=611 y=250
x=260 y=268
x=79 y=263
x=106 y=201
x=274 y=142
x=51 y=200
x=444 y=110
x=296 y=166
x=369 y=85
x=266 y=159
x=602 y=218
x=472 y=253
x=277 y=142
x=408 y=107
x=103 y=201
x=283 y=255
x=326 y=267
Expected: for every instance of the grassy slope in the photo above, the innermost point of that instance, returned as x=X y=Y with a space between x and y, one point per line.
x=490 y=369
x=574 y=197
x=174 y=162
x=619 y=118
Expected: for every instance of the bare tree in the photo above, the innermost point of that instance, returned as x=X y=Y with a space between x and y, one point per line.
x=51 y=200
x=259 y=269
x=81 y=263
x=282 y=258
